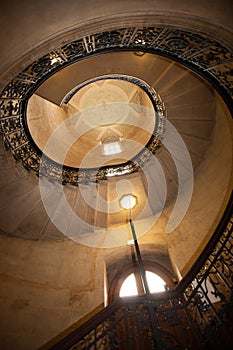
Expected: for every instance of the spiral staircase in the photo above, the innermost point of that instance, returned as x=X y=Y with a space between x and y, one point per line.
x=190 y=106
x=62 y=229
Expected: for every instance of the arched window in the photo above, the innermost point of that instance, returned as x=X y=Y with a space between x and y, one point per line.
x=127 y=280
x=130 y=286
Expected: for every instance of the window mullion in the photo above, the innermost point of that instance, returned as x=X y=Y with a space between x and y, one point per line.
x=138 y=279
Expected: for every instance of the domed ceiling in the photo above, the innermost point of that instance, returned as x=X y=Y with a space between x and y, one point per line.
x=110 y=111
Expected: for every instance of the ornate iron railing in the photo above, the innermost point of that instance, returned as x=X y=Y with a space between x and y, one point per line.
x=210 y=59
x=197 y=314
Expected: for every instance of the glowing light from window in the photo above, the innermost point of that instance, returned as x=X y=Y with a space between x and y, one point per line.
x=110 y=148
x=156 y=283
x=129 y=287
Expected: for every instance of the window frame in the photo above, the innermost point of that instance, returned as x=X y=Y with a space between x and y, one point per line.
x=114 y=289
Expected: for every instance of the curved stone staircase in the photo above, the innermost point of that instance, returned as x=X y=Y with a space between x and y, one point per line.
x=190 y=106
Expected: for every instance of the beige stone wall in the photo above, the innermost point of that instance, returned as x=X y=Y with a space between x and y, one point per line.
x=48 y=287
x=45 y=288
x=212 y=188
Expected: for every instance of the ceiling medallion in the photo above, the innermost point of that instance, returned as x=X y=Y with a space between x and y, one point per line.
x=209 y=58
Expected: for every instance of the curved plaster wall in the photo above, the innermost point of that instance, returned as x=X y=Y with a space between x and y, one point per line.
x=212 y=188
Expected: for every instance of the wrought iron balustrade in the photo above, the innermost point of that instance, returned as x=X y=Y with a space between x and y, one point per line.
x=204 y=55
x=197 y=314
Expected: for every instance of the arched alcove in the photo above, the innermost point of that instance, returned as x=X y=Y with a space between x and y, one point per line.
x=119 y=265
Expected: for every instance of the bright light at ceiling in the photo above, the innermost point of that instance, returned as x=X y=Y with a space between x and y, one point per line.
x=128 y=201
x=110 y=148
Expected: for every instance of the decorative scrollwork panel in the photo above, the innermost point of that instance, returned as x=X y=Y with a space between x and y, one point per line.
x=201 y=53
x=212 y=287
